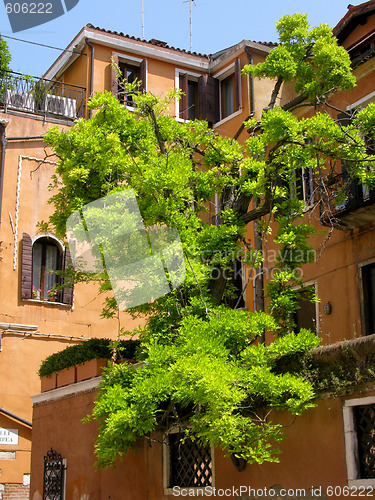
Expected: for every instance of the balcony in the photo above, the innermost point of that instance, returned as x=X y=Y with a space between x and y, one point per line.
x=346 y=205
x=28 y=94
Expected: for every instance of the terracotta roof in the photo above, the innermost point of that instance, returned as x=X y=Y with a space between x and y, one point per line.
x=356 y=14
x=160 y=43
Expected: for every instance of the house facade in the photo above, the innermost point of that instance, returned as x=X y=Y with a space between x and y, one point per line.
x=343 y=275
x=36 y=321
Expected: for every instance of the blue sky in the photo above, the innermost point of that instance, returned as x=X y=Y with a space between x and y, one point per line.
x=216 y=24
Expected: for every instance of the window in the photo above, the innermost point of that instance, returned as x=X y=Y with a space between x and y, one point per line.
x=228 y=97
x=40 y=261
x=128 y=74
x=359 y=426
x=186 y=463
x=127 y=69
x=305 y=186
x=46 y=261
x=229 y=89
x=188 y=104
x=305 y=316
x=357 y=194
x=368 y=285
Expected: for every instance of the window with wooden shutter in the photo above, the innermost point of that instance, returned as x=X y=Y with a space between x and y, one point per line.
x=40 y=263
x=114 y=73
x=67 y=292
x=212 y=99
x=127 y=70
x=26 y=267
x=229 y=91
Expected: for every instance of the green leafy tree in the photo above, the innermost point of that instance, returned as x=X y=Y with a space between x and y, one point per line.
x=202 y=368
x=5 y=59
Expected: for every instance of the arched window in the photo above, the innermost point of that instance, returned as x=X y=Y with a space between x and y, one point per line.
x=40 y=261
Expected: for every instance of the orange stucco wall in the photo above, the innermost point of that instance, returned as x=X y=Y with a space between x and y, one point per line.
x=21 y=355
x=313 y=456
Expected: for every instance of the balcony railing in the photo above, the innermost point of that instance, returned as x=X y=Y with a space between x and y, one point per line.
x=40 y=96
x=347 y=204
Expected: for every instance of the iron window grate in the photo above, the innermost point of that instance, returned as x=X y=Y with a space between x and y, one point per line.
x=190 y=463
x=53 y=484
x=365 y=426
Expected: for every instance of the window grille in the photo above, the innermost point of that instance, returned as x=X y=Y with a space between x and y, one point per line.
x=365 y=426
x=190 y=463
x=53 y=483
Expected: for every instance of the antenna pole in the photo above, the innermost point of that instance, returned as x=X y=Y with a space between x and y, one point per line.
x=191 y=30
x=143 y=23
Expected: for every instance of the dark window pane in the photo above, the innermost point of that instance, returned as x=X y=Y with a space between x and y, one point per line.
x=305 y=316
x=190 y=463
x=192 y=100
x=365 y=427
x=368 y=275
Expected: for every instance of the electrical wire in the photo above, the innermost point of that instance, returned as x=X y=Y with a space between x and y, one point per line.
x=42 y=45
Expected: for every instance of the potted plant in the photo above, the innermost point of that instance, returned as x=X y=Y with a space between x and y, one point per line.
x=36 y=292
x=52 y=295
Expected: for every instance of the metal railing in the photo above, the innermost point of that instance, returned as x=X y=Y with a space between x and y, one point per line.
x=40 y=96
x=343 y=195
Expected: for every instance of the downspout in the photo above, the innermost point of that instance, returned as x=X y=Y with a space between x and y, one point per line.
x=91 y=70
x=251 y=84
x=258 y=288
x=3 y=141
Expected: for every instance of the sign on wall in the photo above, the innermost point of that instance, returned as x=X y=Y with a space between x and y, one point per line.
x=8 y=436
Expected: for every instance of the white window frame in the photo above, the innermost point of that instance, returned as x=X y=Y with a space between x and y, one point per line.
x=192 y=77
x=191 y=490
x=222 y=75
x=351 y=443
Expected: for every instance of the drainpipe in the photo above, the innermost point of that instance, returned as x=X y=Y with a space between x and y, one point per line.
x=251 y=84
x=91 y=69
x=3 y=141
x=258 y=288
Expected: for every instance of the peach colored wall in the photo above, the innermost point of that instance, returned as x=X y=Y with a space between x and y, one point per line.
x=21 y=356
x=12 y=470
x=340 y=254
x=313 y=455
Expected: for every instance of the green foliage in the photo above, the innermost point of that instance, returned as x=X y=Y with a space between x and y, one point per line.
x=210 y=379
x=5 y=57
x=90 y=349
x=309 y=57
x=203 y=367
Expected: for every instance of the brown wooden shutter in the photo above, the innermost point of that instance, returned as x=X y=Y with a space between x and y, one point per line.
x=184 y=102
x=212 y=99
x=201 y=114
x=67 y=293
x=237 y=77
x=143 y=75
x=26 y=267
x=114 y=74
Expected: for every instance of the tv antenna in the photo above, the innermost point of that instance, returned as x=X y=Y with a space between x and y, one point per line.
x=191 y=24
x=143 y=23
